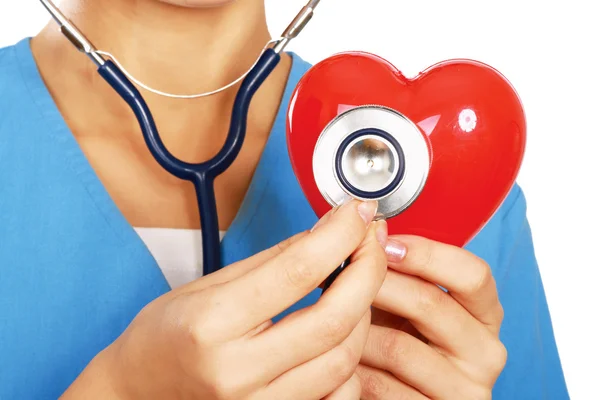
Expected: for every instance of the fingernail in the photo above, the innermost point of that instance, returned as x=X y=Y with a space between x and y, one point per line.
x=395 y=249
x=382 y=233
x=367 y=211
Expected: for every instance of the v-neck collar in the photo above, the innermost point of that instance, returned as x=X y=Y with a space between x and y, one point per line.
x=73 y=154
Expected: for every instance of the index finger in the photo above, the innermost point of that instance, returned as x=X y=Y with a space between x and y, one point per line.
x=239 y=268
x=280 y=282
x=467 y=278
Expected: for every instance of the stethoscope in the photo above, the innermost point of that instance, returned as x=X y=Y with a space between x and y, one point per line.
x=202 y=175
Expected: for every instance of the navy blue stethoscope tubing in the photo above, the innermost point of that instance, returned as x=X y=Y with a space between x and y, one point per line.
x=202 y=175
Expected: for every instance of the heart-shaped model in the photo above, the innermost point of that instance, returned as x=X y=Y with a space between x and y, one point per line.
x=470 y=120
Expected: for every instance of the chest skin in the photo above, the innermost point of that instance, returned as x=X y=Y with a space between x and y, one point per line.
x=73 y=272
x=193 y=130
x=149 y=196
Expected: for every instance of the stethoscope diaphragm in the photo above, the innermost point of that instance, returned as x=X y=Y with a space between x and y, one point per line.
x=371 y=153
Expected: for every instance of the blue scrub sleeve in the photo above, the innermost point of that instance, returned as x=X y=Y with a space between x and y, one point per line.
x=533 y=370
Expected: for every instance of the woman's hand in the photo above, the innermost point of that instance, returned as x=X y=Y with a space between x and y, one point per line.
x=426 y=343
x=214 y=339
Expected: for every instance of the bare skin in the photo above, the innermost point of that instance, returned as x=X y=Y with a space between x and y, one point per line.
x=214 y=47
x=213 y=339
x=422 y=343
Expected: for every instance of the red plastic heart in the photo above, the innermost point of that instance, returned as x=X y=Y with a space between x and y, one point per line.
x=468 y=112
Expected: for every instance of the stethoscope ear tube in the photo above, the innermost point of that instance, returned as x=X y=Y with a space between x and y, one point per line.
x=128 y=92
x=202 y=175
x=239 y=116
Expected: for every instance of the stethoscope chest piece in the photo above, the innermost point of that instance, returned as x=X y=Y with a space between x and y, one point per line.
x=371 y=153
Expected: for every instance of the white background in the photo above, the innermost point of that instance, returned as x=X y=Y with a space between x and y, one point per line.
x=550 y=52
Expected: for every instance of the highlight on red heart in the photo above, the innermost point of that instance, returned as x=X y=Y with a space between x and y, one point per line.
x=468 y=113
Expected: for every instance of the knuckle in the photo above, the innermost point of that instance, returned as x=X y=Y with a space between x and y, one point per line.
x=284 y=245
x=200 y=321
x=430 y=300
x=493 y=360
x=185 y=323
x=334 y=330
x=481 y=277
x=343 y=364
x=476 y=392
x=298 y=273
x=191 y=336
x=223 y=387
x=497 y=358
x=199 y=336
x=227 y=378
x=425 y=258
x=392 y=348
x=373 y=387
x=500 y=313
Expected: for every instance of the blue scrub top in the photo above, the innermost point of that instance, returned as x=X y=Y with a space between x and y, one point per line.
x=74 y=273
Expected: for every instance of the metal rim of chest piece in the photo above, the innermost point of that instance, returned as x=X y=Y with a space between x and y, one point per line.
x=371 y=152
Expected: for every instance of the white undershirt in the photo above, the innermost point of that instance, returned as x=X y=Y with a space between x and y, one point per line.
x=178 y=252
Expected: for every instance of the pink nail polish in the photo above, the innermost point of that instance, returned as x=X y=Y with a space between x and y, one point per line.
x=395 y=250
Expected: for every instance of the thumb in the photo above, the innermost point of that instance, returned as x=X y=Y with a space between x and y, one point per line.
x=242 y=267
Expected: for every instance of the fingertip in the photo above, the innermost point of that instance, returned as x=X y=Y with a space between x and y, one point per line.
x=374 y=248
x=370 y=239
x=396 y=249
x=381 y=232
x=367 y=210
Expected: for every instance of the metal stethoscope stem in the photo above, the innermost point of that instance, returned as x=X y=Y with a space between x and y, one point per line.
x=78 y=39
x=202 y=175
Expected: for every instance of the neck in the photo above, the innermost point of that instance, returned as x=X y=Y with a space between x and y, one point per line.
x=173 y=48
x=170 y=48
